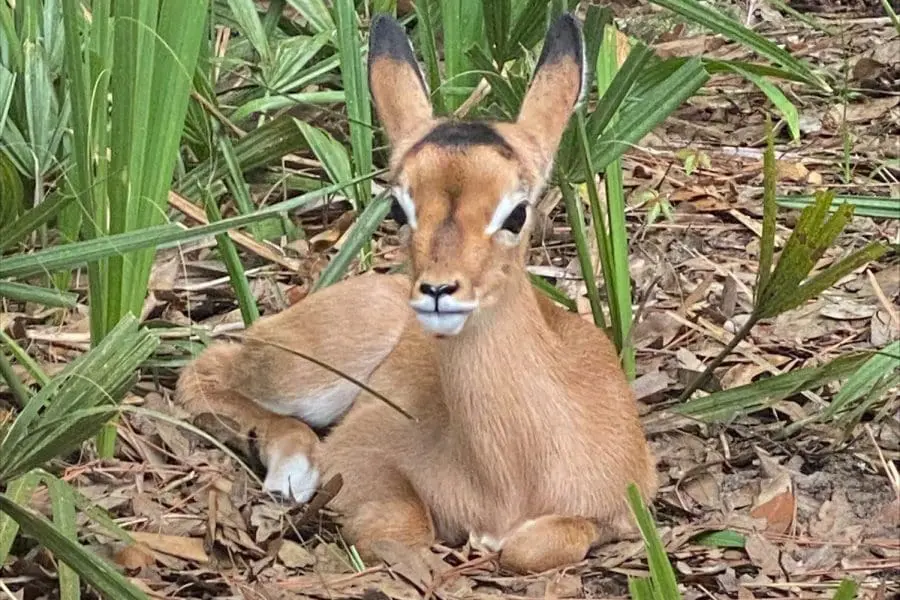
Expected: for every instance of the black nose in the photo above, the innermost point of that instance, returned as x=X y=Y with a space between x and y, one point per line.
x=441 y=289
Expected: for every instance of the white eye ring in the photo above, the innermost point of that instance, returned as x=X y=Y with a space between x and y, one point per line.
x=507 y=204
x=401 y=195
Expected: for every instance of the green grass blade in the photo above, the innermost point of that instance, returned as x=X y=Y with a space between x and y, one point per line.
x=639 y=588
x=827 y=278
x=358 y=237
x=552 y=292
x=251 y=26
x=724 y=538
x=892 y=14
x=616 y=271
x=316 y=12
x=726 y=405
x=24 y=359
x=285 y=100
x=14 y=232
x=22 y=292
x=94 y=570
x=497 y=16
x=356 y=89
x=426 y=17
x=616 y=91
x=7 y=85
x=709 y=17
x=846 y=590
x=62 y=506
x=575 y=217
x=879 y=207
x=662 y=576
x=236 y=274
x=863 y=380
x=262 y=146
x=332 y=154
x=97 y=378
x=767 y=238
x=787 y=108
x=20 y=393
x=646 y=112
x=159 y=236
x=19 y=491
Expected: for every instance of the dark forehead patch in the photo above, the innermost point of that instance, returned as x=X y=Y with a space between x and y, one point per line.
x=463 y=134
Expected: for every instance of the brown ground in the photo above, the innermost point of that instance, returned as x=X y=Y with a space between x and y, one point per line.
x=815 y=506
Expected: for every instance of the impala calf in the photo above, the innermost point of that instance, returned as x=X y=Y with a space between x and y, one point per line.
x=526 y=432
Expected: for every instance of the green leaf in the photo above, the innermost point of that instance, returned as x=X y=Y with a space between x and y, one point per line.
x=785 y=107
x=28 y=293
x=724 y=538
x=14 y=232
x=19 y=491
x=864 y=380
x=160 y=236
x=707 y=16
x=7 y=86
x=66 y=410
x=236 y=273
x=639 y=588
x=260 y=147
x=62 y=505
x=285 y=100
x=332 y=154
x=426 y=17
x=497 y=16
x=767 y=238
x=575 y=217
x=725 y=405
x=644 y=113
x=356 y=89
x=616 y=91
x=359 y=236
x=251 y=26
x=879 y=207
x=528 y=29
x=100 y=575
x=12 y=201
x=662 y=576
x=316 y=12
x=552 y=292
x=846 y=590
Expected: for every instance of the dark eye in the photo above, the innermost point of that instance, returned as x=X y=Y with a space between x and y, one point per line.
x=516 y=219
x=397 y=213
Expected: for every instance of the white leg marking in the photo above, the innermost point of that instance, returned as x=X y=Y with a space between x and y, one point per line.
x=485 y=542
x=291 y=476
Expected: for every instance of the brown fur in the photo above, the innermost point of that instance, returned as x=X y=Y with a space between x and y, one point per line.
x=527 y=432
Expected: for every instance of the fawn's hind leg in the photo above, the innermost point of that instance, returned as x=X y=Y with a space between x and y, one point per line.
x=265 y=387
x=377 y=501
x=548 y=542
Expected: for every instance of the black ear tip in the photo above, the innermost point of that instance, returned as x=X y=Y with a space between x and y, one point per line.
x=564 y=40
x=387 y=36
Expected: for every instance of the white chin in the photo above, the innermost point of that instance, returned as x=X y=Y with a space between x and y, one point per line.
x=442 y=323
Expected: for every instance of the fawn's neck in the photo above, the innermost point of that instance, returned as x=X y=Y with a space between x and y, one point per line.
x=503 y=382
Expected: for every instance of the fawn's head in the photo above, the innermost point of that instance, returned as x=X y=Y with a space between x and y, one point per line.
x=466 y=189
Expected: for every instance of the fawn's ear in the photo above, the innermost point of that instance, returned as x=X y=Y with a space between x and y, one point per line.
x=398 y=87
x=556 y=87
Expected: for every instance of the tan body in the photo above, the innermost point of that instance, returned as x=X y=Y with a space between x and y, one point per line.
x=526 y=431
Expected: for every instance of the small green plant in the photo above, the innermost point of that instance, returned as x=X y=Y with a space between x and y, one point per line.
x=790 y=283
x=69 y=409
